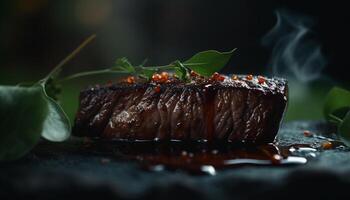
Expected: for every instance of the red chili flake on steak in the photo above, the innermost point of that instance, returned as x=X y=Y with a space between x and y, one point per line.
x=160 y=78
x=194 y=74
x=249 y=77
x=156 y=77
x=276 y=159
x=217 y=77
x=234 y=77
x=157 y=88
x=130 y=80
x=261 y=79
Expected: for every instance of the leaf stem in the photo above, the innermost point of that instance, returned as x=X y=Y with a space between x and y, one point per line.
x=164 y=67
x=335 y=118
x=25 y=84
x=89 y=73
x=183 y=68
x=170 y=66
x=70 y=56
x=111 y=71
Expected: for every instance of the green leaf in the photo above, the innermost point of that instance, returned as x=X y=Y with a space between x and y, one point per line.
x=205 y=63
x=56 y=126
x=337 y=110
x=55 y=72
x=52 y=88
x=144 y=62
x=344 y=127
x=208 y=62
x=146 y=72
x=26 y=113
x=92 y=73
x=180 y=70
x=337 y=103
x=123 y=64
x=22 y=113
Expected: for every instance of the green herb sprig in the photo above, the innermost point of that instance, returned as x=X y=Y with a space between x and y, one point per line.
x=337 y=110
x=204 y=63
x=30 y=111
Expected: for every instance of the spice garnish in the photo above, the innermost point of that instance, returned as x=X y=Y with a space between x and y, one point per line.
x=327 y=145
x=234 y=77
x=249 y=77
x=261 y=79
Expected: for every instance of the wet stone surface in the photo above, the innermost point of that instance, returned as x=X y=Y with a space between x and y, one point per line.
x=54 y=171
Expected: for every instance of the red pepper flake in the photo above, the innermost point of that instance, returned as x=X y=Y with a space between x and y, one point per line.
x=130 y=80
x=193 y=73
x=164 y=76
x=261 y=79
x=234 y=77
x=307 y=133
x=276 y=159
x=217 y=77
x=157 y=89
x=215 y=74
x=326 y=145
x=221 y=78
x=156 y=77
x=249 y=77
x=160 y=78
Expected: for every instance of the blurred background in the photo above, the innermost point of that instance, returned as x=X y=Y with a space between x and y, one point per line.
x=304 y=41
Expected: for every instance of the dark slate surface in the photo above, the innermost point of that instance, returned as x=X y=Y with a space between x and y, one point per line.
x=58 y=173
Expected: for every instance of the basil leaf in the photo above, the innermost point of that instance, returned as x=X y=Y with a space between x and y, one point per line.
x=146 y=72
x=344 y=127
x=123 y=64
x=180 y=70
x=52 y=88
x=337 y=110
x=56 y=126
x=208 y=62
x=22 y=113
x=337 y=103
x=26 y=113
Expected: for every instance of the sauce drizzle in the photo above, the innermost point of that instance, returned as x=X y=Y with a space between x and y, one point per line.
x=206 y=158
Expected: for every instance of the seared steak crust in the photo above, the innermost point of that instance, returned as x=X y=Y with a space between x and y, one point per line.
x=230 y=110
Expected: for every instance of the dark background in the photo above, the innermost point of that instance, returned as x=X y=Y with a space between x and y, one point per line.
x=36 y=34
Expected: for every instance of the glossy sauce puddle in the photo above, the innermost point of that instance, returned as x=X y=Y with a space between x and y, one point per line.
x=208 y=158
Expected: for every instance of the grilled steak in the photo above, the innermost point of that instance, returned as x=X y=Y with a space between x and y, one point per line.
x=240 y=109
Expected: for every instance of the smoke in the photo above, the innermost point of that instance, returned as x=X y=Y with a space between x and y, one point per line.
x=296 y=54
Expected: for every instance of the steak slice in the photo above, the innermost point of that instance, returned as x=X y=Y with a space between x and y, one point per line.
x=235 y=110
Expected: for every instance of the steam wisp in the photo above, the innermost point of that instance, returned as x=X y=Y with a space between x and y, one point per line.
x=296 y=54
